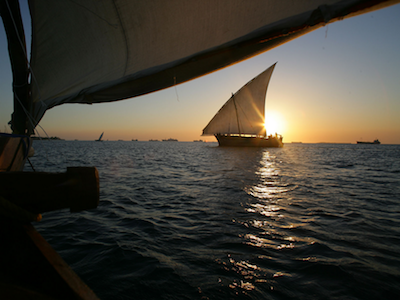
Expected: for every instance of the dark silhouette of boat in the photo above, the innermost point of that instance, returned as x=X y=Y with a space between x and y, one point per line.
x=240 y=121
x=376 y=142
x=100 y=138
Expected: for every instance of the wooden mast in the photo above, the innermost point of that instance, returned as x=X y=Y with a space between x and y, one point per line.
x=237 y=115
x=11 y=16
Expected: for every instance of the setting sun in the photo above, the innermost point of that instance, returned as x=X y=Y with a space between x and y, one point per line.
x=274 y=123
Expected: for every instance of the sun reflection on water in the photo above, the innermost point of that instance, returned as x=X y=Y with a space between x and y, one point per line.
x=268 y=186
x=269 y=230
x=265 y=210
x=250 y=274
x=266 y=223
x=257 y=241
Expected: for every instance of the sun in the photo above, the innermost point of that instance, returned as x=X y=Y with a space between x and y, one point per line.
x=274 y=123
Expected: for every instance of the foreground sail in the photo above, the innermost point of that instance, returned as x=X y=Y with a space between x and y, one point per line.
x=240 y=122
x=105 y=51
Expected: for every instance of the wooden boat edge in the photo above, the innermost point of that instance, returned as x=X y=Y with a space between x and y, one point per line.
x=19 y=240
x=79 y=288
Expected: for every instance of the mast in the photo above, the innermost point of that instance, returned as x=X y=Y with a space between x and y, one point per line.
x=237 y=116
x=11 y=16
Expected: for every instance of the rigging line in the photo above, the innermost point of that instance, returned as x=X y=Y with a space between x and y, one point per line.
x=31 y=120
x=37 y=131
x=244 y=113
x=176 y=90
x=40 y=138
x=31 y=165
x=29 y=116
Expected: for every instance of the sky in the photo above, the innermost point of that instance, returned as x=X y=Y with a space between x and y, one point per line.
x=338 y=84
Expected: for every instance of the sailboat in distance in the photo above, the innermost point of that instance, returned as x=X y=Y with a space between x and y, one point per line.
x=100 y=138
x=240 y=121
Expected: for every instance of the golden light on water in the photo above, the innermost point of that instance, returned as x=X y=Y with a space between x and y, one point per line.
x=267 y=222
x=274 y=123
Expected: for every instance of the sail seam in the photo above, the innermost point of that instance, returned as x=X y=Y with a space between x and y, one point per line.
x=244 y=113
x=124 y=35
x=95 y=14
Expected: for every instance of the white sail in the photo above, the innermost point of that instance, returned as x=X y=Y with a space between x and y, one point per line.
x=93 y=51
x=243 y=113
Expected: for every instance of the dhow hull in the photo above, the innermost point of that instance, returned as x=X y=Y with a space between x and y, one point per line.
x=244 y=141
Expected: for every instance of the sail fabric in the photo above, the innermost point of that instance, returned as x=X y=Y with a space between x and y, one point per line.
x=243 y=113
x=92 y=51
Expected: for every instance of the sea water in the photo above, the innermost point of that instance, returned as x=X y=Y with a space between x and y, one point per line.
x=183 y=220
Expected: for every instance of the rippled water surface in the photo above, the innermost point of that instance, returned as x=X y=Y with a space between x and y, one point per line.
x=195 y=221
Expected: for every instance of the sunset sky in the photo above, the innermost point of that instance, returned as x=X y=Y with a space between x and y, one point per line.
x=340 y=83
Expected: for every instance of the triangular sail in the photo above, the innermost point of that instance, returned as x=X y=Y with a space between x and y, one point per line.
x=243 y=113
x=108 y=50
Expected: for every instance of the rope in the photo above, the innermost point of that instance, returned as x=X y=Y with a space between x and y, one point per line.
x=29 y=161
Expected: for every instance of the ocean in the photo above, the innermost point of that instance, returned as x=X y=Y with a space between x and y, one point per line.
x=191 y=220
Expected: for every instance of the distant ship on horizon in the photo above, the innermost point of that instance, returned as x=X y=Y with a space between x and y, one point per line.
x=376 y=142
